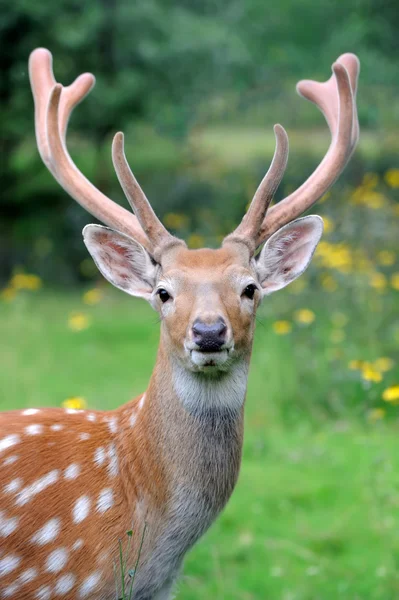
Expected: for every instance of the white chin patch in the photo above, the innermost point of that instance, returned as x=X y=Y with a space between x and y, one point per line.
x=225 y=389
x=207 y=360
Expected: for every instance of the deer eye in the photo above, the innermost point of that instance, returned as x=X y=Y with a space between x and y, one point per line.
x=249 y=291
x=164 y=295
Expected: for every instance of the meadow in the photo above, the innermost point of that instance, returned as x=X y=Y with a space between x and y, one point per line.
x=315 y=512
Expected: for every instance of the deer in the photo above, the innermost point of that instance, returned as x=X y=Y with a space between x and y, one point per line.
x=74 y=481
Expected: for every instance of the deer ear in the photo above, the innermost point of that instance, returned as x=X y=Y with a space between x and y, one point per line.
x=288 y=252
x=122 y=260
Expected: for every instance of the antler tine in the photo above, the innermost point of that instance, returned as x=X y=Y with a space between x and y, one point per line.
x=53 y=107
x=152 y=226
x=248 y=229
x=336 y=98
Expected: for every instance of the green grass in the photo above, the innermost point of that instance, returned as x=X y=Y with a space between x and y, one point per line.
x=315 y=512
x=234 y=146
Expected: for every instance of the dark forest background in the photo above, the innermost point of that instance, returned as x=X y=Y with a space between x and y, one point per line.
x=193 y=85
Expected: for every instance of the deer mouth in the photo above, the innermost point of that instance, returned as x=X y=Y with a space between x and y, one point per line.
x=208 y=359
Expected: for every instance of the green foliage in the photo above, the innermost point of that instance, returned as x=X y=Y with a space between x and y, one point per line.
x=169 y=74
x=127 y=574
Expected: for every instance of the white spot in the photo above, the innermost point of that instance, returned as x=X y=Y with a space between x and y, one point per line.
x=91 y=417
x=84 y=436
x=64 y=584
x=10 y=460
x=72 y=471
x=8 y=564
x=81 y=509
x=141 y=403
x=43 y=593
x=99 y=456
x=56 y=427
x=78 y=544
x=30 y=411
x=113 y=424
x=89 y=584
x=13 y=486
x=73 y=411
x=34 y=429
x=7 y=526
x=57 y=560
x=47 y=533
x=10 y=590
x=113 y=466
x=105 y=500
x=8 y=441
x=28 y=575
x=36 y=487
x=133 y=419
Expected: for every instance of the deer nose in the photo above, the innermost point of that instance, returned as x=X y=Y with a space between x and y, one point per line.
x=209 y=338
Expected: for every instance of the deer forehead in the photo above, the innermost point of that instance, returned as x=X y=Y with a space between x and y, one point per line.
x=206 y=268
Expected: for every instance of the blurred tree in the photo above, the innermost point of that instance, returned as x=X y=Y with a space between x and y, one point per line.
x=166 y=66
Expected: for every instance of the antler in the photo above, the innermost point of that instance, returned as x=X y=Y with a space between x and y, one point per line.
x=249 y=227
x=53 y=107
x=336 y=98
x=152 y=226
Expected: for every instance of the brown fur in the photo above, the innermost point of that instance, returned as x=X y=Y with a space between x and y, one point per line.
x=165 y=448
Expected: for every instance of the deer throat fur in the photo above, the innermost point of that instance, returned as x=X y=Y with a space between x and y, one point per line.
x=201 y=451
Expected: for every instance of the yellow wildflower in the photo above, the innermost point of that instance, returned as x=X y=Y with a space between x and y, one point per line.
x=363 y=264
x=392 y=178
x=386 y=258
x=374 y=200
x=376 y=414
x=370 y=180
x=304 y=316
x=25 y=281
x=378 y=281
x=355 y=364
x=282 y=327
x=335 y=256
x=175 y=221
x=8 y=294
x=337 y=336
x=395 y=281
x=75 y=402
x=328 y=282
x=325 y=197
x=195 y=241
x=371 y=374
x=92 y=296
x=383 y=364
x=339 y=319
x=328 y=225
x=78 y=321
x=391 y=394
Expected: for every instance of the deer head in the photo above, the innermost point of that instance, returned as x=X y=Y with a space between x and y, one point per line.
x=207 y=299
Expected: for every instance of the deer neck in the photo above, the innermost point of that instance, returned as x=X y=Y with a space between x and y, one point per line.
x=194 y=424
